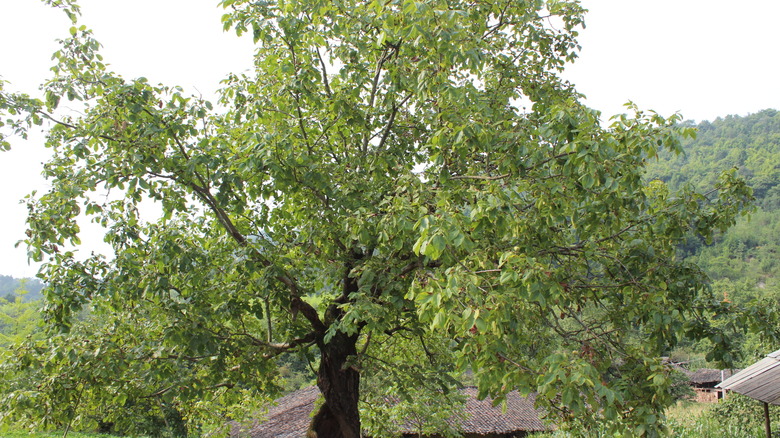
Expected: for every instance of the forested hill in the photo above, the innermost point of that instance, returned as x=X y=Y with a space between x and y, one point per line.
x=751 y=143
x=744 y=262
x=29 y=289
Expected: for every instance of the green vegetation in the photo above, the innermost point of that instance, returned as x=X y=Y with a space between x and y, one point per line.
x=24 y=434
x=751 y=144
x=28 y=289
x=19 y=320
x=370 y=206
x=736 y=417
x=742 y=262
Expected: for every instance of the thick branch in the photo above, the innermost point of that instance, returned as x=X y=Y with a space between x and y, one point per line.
x=280 y=348
x=297 y=305
x=481 y=177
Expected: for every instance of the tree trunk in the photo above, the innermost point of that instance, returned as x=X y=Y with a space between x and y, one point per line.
x=339 y=383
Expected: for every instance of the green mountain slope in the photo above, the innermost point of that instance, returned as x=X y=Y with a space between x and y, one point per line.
x=751 y=143
x=743 y=262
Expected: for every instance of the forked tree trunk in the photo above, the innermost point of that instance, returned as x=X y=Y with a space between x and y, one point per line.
x=339 y=383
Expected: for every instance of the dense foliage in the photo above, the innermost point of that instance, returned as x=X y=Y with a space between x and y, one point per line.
x=372 y=183
x=742 y=262
x=18 y=320
x=750 y=143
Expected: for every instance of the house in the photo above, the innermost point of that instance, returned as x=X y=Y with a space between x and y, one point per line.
x=290 y=417
x=704 y=381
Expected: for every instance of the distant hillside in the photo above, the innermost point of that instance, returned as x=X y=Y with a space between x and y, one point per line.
x=746 y=255
x=10 y=288
x=744 y=262
x=750 y=143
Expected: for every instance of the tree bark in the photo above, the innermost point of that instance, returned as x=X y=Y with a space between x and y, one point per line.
x=339 y=384
x=339 y=381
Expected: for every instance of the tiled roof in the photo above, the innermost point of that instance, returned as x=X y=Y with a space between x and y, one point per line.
x=708 y=375
x=760 y=381
x=482 y=417
x=289 y=418
x=292 y=413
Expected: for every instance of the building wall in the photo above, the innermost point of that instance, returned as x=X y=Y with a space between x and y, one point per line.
x=708 y=395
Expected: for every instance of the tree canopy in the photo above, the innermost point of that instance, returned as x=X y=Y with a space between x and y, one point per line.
x=390 y=168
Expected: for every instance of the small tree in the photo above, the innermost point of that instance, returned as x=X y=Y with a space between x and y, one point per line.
x=377 y=174
x=18 y=319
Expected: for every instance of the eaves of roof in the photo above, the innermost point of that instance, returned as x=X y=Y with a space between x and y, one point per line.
x=760 y=381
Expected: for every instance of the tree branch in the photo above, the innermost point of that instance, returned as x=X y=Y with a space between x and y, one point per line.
x=372 y=98
x=483 y=178
x=324 y=72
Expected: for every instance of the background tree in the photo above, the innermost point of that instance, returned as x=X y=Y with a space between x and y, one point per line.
x=28 y=289
x=18 y=320
x=377 y=174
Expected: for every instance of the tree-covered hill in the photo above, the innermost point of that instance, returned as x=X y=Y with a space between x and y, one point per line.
x=28 y=288
x=743 y=262
x=751 y=143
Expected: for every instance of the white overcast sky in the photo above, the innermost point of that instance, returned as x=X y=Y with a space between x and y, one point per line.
x=702 y=58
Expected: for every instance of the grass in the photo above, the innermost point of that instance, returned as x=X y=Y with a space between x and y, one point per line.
x=695 y=420
x=687 y=413
x=16 y=433
x=690 y=420
x=24 y=434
